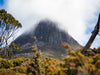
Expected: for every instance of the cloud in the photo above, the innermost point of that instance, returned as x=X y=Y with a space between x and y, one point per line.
x=74 y=16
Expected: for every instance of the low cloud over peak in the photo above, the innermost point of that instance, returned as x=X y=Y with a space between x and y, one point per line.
x=74 y=16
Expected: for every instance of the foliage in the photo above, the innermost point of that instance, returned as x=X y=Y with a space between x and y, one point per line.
x=38 y=61
x=5 y=63
x=79 y=64
x=7 y=72
x=8 y=27
x=54 y=67
x=14 y=47
x=75 y=63
x=20 y=69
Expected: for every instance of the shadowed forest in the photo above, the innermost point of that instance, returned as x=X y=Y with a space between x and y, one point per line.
x=74 y=63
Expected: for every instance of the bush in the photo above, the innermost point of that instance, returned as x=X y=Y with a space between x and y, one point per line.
x=20 y=69
x=98 y=64
x=19 y=61
x=5 y=63
x=7 y=72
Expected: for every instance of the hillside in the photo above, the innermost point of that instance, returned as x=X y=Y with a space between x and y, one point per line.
x=49 y=38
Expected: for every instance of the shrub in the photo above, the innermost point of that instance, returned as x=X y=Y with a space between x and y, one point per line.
x=19 y=61
x=5 y=63
x=20 y=69
x=7 y=72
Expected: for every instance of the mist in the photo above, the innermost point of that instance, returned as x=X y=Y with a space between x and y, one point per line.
x=74 y=16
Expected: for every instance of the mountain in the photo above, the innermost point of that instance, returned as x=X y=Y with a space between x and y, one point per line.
x=49 y=38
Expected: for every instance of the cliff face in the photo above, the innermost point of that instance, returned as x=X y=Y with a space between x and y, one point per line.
x=49 y=38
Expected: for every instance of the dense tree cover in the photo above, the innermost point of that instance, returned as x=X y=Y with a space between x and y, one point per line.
x=8 y=28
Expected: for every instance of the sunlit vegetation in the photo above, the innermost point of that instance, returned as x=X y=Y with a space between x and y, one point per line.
x=9 y=27
x=13 y=66
x=75 y=63
x=79 y=64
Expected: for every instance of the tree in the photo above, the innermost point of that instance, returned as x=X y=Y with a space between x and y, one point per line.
x=8 y=26
x=79 y=64
x=38 y=60
x=13 y=48
x=93 y=36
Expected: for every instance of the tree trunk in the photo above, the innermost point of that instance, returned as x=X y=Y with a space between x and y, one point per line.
x=94 y=34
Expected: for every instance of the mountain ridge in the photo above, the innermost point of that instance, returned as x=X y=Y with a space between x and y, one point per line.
x=49 y=38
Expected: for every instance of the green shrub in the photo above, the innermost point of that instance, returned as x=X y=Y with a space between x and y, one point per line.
x=19 y=61
x=98 y=64
x=5 y=63
x=20 y=69
x=7 y=72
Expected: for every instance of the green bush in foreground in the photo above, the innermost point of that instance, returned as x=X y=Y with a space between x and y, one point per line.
x=6 y=63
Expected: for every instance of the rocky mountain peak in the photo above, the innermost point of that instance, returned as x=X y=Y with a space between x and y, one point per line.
x=49 y=38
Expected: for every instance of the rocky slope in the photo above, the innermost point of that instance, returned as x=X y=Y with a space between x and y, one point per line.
x=49 y=38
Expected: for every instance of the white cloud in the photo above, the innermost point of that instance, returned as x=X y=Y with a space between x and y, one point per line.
x=72 y=15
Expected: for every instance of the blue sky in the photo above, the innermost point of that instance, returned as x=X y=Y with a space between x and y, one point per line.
x=1 y=2
x=78 y=17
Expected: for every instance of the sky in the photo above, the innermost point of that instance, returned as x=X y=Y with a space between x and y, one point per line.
x=77 y=17
x=1 y=2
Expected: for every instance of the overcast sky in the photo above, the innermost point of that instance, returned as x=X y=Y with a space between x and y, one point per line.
x=78 y=17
